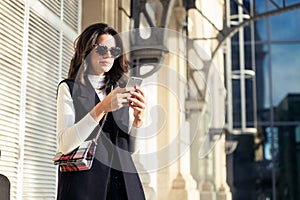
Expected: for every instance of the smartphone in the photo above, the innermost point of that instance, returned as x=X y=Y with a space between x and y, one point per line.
x=134 y=81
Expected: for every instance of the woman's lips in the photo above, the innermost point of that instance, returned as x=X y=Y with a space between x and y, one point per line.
x=105 y=63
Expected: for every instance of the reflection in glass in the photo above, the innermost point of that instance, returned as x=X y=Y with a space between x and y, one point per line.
x=275 y=100
x=285 y=26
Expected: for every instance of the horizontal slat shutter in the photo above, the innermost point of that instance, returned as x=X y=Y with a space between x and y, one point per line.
x=11 y=41
x=71 y=13
x=39 y=147
x=27 y=149
x=54 y=6
x=67 y=56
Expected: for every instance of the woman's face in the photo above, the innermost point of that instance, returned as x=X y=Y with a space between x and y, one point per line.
x=101 y=57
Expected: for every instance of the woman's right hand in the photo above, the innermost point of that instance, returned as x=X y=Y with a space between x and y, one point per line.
x=115 y=100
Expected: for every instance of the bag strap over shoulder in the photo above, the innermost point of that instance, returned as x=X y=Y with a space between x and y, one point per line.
x=100 y=129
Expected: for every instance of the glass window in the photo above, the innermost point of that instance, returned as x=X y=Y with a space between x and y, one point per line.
x=260 y=6
x=277 y=66
x=268 y=142
x=285 y=26
x=262 y=81
x=291 y=2
x=285 y=71
x=297 y=134
x=236 y=101
x=260 y=31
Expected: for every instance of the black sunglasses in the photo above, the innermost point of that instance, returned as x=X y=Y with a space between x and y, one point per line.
x=103 y=50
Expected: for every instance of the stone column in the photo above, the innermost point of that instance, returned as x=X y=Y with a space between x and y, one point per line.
x=146 y=181
x=222 y=188
x=184 y=187
x=206 y=186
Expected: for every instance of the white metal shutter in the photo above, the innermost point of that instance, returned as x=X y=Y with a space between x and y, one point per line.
x=71 y=15
x=28 y=110
x=53 y=6
x=11 y=41
x=66 y=56
x=39 y=146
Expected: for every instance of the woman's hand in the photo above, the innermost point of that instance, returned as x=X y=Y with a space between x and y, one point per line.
x=137 y=101
x=115 y=100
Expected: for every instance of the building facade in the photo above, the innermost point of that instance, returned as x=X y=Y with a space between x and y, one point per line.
x=206 y=128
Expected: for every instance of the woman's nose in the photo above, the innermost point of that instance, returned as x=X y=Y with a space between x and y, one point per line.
x=107 y=55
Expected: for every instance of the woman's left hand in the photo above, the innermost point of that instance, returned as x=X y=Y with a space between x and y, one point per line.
x=137 y=101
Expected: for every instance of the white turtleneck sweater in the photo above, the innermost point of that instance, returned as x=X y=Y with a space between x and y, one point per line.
x=70 y=134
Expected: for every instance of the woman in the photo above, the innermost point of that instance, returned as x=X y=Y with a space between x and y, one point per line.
x=93 y=89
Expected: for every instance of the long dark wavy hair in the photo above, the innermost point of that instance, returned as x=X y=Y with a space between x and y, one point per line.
x=83 y=45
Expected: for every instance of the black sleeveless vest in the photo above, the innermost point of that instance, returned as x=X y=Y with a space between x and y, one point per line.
x=112 y=151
